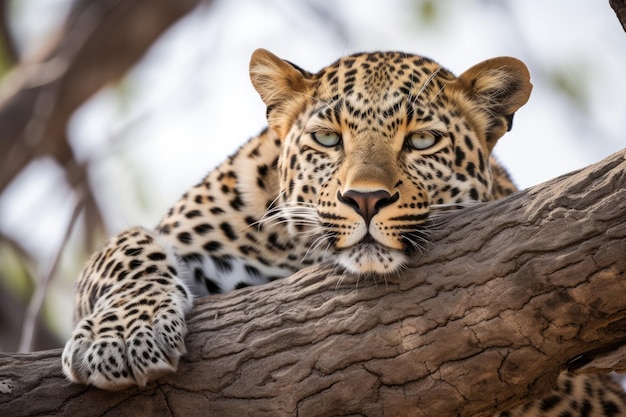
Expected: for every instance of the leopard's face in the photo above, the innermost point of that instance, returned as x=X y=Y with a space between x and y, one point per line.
x=372 y=142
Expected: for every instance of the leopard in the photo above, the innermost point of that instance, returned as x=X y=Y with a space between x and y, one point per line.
x=354 y=162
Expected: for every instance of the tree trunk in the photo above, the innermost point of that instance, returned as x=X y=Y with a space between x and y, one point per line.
x=509 y=294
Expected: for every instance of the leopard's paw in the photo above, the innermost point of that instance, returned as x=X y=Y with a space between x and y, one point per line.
x=114 y=349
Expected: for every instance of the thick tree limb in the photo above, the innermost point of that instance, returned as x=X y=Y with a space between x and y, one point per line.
x=511 y=293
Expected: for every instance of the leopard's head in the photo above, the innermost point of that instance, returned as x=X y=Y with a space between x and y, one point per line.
x=372 y=141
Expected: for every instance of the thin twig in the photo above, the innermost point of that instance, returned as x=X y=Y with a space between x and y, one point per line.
x=36 y=301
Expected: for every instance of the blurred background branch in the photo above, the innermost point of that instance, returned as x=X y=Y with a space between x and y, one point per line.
x=41 y=95
x=27 y=339
x=98 y=43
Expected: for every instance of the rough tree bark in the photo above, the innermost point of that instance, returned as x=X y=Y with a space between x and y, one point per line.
x=509 y=294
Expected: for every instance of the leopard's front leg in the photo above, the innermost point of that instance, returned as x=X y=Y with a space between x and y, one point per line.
x=131 y=300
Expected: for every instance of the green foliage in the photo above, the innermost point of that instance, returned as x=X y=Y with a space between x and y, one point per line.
x=14 y=272
x=428 y=12
x=572 y=81
x=6 y=61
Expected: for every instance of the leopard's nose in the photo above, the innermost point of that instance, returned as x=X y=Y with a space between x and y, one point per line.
x=367 y=203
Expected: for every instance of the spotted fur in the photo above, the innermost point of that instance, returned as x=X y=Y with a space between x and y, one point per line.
x=354 y=161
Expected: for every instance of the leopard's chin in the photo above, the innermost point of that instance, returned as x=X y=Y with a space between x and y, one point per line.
x=370 y=258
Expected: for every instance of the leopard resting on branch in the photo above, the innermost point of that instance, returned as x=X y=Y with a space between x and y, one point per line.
x=355 y=159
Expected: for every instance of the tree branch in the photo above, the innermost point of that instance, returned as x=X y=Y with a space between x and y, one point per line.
x=33 y=311
x=88 y=54
x=619 y=7
x=511 y=293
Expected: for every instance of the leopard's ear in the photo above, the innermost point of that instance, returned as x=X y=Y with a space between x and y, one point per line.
x=498 y=87
x=281 y=86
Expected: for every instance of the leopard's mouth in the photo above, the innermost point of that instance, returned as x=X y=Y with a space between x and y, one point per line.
x=409 y=242
x=370 y=257
x=382 y=251
x=369 y=240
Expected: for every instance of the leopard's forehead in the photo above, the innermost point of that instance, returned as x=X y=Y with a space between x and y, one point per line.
x=379 y=76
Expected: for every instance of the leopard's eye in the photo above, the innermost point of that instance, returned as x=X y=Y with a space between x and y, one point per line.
x=327 y=138
x=422 y=140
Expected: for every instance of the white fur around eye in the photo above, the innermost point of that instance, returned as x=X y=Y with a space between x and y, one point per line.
x=421 y=140
x=327 y=138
